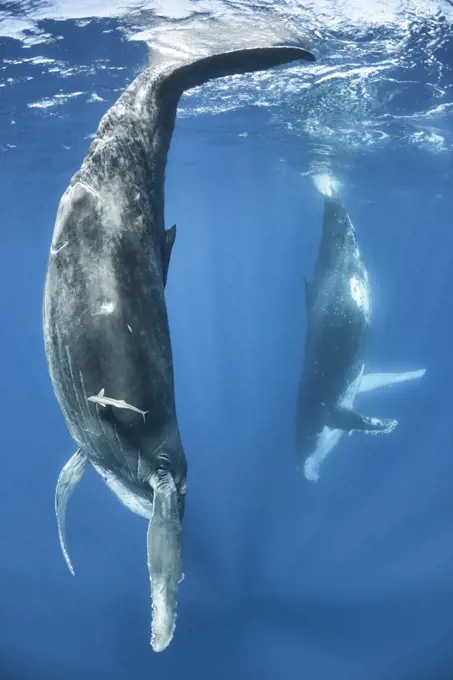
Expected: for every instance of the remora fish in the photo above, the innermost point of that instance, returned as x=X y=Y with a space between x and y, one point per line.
x=104 y=401
x=105 y=317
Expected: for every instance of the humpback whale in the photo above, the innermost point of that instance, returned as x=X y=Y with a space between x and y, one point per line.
x=106 y=332
x=338 y=302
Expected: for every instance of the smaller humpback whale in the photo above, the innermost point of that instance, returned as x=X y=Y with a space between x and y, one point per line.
x=105 y=317
x=338 y=302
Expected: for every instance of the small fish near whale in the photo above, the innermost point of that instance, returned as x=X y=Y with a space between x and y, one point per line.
x=106 y=332
x=119 y=403
x=338 y=303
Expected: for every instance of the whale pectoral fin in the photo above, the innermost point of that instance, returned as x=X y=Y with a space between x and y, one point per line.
x=345 y=419
x=170 y=236
x=164 y=558
x=373 y=380
x=329 y=438
x=69 y=477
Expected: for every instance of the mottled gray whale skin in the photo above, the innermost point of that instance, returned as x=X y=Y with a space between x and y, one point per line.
x=106 y=331
x=339 y=313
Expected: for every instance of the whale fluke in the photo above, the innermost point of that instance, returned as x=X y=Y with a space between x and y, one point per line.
x=69 y=477
x=237 y=62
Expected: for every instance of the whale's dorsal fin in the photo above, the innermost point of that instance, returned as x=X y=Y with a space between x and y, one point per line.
x=344 y=419
x=69 y=477
x=170 y=236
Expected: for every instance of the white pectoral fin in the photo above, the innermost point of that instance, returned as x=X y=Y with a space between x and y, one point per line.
x=373 y=380
x=328 y=440
x=69 y=477
x=164 y=559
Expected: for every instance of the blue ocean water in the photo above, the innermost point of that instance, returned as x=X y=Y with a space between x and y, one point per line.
x=347 y=578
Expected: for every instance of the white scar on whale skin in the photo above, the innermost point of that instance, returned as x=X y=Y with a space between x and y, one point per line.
x=106 y=308
x=54 y=251
x=118 y=403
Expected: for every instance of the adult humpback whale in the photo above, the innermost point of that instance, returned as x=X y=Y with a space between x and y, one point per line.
x=339 y=313
x=106 y=331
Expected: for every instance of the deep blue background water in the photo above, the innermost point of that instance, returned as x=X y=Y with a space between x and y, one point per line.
x=349 y=578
